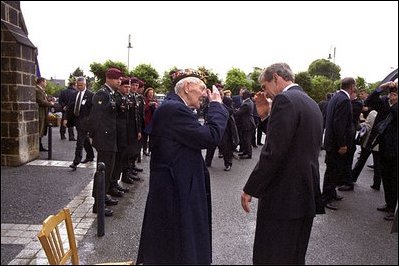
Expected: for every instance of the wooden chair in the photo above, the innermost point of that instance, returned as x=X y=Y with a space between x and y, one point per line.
x=52 y=241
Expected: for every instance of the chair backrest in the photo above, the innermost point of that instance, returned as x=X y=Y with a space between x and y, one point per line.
x=52 y=241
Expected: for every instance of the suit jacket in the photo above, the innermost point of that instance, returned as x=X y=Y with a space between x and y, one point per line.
x=340 y=130
x=80 y=121
x=244 y=115
x=286 y=178
x=102 y=120
x=177 y=220
x=237 y=101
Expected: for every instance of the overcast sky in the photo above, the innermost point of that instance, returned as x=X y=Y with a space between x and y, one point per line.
x=217 y=35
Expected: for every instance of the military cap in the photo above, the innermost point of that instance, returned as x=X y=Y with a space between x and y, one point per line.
x=185 y=73
x=113 y=73
x=125 y=81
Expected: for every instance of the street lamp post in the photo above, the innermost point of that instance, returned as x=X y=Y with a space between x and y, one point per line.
x=333 y=58
x=329 y=55
x=128 y=53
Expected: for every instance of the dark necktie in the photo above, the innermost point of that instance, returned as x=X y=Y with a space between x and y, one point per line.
x=77 y=105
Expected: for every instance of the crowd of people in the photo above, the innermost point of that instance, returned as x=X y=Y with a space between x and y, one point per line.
x=122 y=118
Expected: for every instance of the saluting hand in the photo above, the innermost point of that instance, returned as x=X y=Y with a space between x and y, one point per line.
x=214 y=96
x=263 y=104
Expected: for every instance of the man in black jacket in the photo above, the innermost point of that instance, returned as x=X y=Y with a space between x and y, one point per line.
x=67 y=96
x=103 y=128
x=78 y=111
x=338 y=141
x=286 y=179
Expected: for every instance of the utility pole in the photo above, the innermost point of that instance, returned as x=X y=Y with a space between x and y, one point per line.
x=128 y=53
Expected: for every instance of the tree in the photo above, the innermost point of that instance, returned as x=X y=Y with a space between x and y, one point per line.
x=53 y=89
x=166 y=81
x=254 y=78
x=323 y=67
x=99 y=70
x=236 y=79
x=79 y=73
x=304 y=80
x=148 y=74
x=360 y=83
x=321 y=85
x=211 y=78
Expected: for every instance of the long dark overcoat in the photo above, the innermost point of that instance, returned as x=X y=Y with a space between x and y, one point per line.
x=177 y=220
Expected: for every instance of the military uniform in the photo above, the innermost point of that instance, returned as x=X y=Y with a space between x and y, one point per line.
x=103 y=131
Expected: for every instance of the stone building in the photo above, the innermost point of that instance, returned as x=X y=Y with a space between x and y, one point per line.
x=19 y=111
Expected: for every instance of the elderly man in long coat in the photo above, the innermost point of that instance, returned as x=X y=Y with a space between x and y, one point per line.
x=177 y=219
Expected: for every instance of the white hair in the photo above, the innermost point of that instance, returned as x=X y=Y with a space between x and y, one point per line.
x=180 y=84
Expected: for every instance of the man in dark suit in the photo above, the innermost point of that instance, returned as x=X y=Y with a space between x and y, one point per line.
x=177 y=220
x=78 y=111
x=245 y=119
x=338 y=141
x=237 y=99
x=286 y=178
x=66 y=96
x=103 y=129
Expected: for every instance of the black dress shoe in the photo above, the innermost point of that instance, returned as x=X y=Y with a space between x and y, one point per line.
x=331 y=206
x=107 y=212
x=72 y=139
x=260 y=144
x=228 y=168
x=127 y=180
x=346 y=188
x=390 y=216
x=63 y=137
x=137 y=169
x=375 y=187
x=73 y=166
x=115 y=192
x=110 y=201
x=338 y=197
x=124 y=190
x=245 y=156
x=87 y=160
x=135 y=178
x=383 y=208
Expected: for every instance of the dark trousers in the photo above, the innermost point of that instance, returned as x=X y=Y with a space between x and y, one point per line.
x=336 y=168
x=108 y=158
x=281 y=241
x=246 y=142
x=227 y=152
x=210 y=152
x=83 y=141
x=63 y=128
x=121 y=163
x=389 y=171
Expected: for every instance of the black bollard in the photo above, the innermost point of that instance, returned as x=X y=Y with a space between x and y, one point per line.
x=100 y=180
x=50 y=141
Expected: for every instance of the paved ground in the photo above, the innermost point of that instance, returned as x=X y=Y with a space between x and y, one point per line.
x=355 y=234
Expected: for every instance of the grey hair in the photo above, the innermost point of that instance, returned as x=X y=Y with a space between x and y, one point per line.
x=180 y=85
x=81 y=79
x=281 y=69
